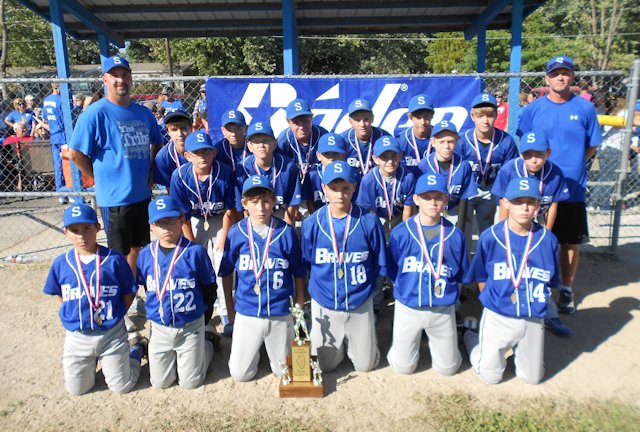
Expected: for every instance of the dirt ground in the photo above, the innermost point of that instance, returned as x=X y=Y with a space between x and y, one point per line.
x=599 y=361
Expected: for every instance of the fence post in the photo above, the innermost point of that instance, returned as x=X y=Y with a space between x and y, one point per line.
x=632 y=96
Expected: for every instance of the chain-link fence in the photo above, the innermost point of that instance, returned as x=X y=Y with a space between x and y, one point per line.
x=31 y=213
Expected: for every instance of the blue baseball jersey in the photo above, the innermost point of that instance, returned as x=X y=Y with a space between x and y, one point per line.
x=571 y=127
x=218 y=192
x=461 y=185
x=371 y=195
x=286 y=183
x=554 y=188
x=116 y=281
x=283 y=263
x=167 y=160
x=504 y=150
x=26 y=117
x=414 y=284
x=172 y=106
x=366 y=148
x=289 y=147
x=230 y=156
x=490 y=265
x=52 y=114
x=364 y=258
x=183 y=300
x=117 y=140
x=414 y=150
x=312 y=187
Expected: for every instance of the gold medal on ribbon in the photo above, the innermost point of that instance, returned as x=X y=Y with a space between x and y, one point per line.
x=256 y=288
x=206 y=225
x=161 y=311
x=340 y=273
x=514 y=298
x=97 y=319
x=438 y=290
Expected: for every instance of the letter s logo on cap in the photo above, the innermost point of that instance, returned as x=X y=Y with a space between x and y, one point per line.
x=232 y=114
x=298 y=106
x=524 y=184
x=200 y=137
x=431 y=180
x=358 y=103
x=337 y=168
x=160 y=204
x=531 y=138
x=485 y=97
x=75 y=211
x=560 y=60
x=421 y=100
x=259 y=126
x=331 y=140
x=255 y=180
x=444 y=123
x=386 y=142
x=116 y=60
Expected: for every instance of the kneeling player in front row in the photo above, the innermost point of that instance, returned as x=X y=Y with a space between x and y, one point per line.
x=265 y=254
x=96 y=287
x=427 y=259
x=344 y=246
x=180 y=284
x=515 y=263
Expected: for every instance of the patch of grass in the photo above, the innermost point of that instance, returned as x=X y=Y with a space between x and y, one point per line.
x=463 y=412
x=218 y=422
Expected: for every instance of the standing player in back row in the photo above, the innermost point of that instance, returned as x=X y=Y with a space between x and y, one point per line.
x=571 y=125
x=415 y=141
x=515 y=264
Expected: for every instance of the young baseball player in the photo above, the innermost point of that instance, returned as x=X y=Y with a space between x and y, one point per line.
x=515 y=264
x=282 y=172
x=534 y=163
x=487 y=149
x=180 y=284
x=265 y=254
x=232 y=149
x=414 y=141
x=96 y=287
x=427 y=259
x=361 y=136
x=444 y=162
x=299 y=142
x=206 y=192
x=331 y=147
x=344 y=246
x=171 y=156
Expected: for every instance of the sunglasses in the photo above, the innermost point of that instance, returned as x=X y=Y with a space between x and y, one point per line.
x=21 y=103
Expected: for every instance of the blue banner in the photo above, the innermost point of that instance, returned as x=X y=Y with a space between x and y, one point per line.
x=265 y=99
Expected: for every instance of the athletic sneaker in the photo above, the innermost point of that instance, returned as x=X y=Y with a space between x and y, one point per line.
x=566 y=304
x=557 y=328
x=139 y=350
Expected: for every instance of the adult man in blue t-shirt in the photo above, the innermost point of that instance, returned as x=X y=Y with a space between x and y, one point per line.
x=571 y=125
x=114 y=141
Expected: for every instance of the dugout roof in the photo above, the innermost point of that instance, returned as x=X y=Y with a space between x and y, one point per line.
x=121 y=20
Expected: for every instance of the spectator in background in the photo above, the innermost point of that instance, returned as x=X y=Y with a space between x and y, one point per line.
x=13 y=143
x=200 y=118
x=52 y=106
x=585 y=94
x=502 y=119
x=77 y=106
x=530 y=98
x=168 y=102
x=19 y=114
x=42 y=134
x=30 y=102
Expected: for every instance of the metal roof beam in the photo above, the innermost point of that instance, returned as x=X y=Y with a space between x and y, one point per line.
x=482 y=21
x=88 y=19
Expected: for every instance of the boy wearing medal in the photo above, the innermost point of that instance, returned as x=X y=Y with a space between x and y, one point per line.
x=171 y=156
x=205 y=191
x=180 y=284
x=533 y=162
x=96 y=287
x=487 y=149
x=281 y=171
x=414 y=141
x=232 y=149
x=344 y=246
x=427 y=259
x=515 y=264
x=444 y=162
x=264 y=253
x=361 y=136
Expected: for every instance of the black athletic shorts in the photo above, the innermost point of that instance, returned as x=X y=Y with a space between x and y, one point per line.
x=571 y=225
x=127 y=226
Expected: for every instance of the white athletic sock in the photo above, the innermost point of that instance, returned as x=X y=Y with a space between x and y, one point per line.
x=567 y=288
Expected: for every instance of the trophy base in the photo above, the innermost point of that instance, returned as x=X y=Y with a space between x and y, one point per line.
x=300 y=389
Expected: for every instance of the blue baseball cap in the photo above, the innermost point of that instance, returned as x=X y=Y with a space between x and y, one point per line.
x=431 y=182
x=164 y=206
x=176 y=116
x=79 y=214
x=233 y=116
x=339 y=170
x=260 y=128
x=386 y=143
x=521 y=187
x=359 y=105
x=332 y=142
x=256 y=181
x=444 y=125
x=114 y=62
x=297 y=108
x=420 y=102
x=484 y=99
x=637 y=106
x=560 y=62
x=197 y=141
x=536 y=141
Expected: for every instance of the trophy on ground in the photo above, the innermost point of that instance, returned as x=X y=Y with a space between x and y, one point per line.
x=299 y=380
